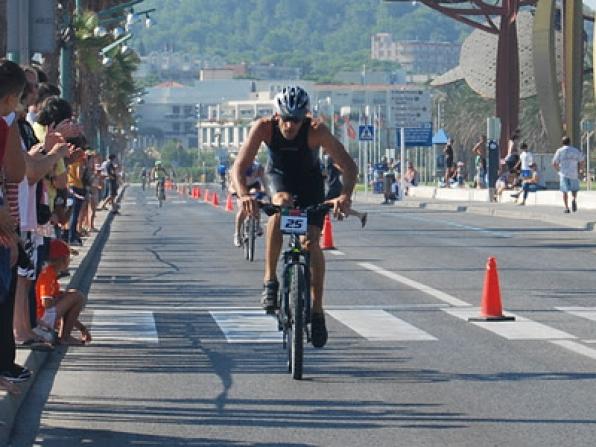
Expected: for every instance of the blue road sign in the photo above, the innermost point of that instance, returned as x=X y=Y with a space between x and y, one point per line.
x=366 y=133
x=417 y=136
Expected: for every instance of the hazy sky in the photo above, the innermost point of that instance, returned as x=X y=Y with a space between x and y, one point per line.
x=590 y=3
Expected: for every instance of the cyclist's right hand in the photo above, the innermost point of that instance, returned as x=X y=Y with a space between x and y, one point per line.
x=249 y=205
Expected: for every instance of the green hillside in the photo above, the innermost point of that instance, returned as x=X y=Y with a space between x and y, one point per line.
x=318 y=36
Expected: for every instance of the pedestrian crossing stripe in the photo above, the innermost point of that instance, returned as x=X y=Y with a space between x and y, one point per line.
x=247 y=326
x=582 y=312
x=123 y=327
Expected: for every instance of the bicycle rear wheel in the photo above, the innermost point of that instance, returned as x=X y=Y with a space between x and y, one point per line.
x=246 y=237
x=296 y=330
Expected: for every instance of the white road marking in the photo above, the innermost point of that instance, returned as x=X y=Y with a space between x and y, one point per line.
x=336 y=252
x=178 y=202
x=589 y=341
x=576 y=347
x=520 y=329
x=456 y=302
x=123 y=326
x=129 y=203
x=583 y=312
x=378 y=325
x=247 y=326
x=161 y=309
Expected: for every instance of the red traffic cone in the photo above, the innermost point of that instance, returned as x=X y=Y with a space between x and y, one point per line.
x=198 y=192
x=206 y=196
x=327 y=236
x=229 y=204
x=490 y=307
x=215 y=199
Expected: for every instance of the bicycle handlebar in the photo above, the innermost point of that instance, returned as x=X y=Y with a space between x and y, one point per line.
x=270 y=209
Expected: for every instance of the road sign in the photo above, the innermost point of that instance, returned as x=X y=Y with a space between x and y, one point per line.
x=366 y=133
x=408 y=108
x=417 y=136
x=41 y=26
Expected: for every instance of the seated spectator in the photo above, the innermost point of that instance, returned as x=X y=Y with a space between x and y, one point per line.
x=460 y=174
x=59 y=306
x=503 y=182
x=532 y=184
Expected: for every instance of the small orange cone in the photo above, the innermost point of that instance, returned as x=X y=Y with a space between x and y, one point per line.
x=198 y=192
x=206 y=196
x=327 y=236
x=490 y=308
x=229 y=204
x=215 y=199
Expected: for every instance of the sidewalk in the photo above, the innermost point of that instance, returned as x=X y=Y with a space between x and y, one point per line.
x=80 y=266
x=462 y=200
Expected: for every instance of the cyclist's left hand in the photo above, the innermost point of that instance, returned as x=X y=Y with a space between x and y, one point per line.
x=249 y=205
x=341 y=205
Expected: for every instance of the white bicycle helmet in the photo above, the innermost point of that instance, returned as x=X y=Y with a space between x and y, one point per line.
x=292 y=101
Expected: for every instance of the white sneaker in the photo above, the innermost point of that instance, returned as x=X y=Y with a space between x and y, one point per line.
x=237 y=241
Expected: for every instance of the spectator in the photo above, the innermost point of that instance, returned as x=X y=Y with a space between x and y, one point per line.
x=448 y=152
x=55 y=306
x=91 y=183
x=479 y=151
x=526 y=158
x=12 y=162
x=512 y=157
x=568 y=160
x=410 y=177
x=112 y=177
x=77 y=191
x=460 y=174
x=503 y=182
x=531 y=184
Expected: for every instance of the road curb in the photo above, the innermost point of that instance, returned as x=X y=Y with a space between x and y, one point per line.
x=9 y=404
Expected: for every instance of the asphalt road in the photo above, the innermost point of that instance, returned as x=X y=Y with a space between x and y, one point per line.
x=183 y=357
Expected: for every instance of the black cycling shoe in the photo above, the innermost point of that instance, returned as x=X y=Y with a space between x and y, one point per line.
x=318 y=329
x=269 y=298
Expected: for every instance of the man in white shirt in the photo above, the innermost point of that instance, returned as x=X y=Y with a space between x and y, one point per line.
x=568 y=160
x=525 y=160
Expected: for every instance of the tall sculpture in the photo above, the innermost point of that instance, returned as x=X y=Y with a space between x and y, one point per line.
x=483 y=15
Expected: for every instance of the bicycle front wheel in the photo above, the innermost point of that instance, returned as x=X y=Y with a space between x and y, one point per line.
x=248 y=223
x=252 y=236
x=296 y=330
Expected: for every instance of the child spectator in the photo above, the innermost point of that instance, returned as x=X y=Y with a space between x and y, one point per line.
x=55 y=305
x=460 y=174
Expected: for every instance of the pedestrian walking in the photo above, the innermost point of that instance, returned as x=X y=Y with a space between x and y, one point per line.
x=568 y=160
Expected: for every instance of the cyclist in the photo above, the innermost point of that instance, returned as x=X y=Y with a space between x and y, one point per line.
x=159 y=175
x=144 y=177
x=254 y=180
x=293 y=139
x=222 y=169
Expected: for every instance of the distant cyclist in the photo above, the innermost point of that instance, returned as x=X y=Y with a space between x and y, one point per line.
x=144 y=177
x=294 y=139
x=222 y=170
x=254 y=181
x=159 y=175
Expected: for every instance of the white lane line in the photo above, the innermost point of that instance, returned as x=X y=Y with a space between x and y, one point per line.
x=378 y=325
x=520 y=329
x=161 y=309
x=178 y=202
x=129 y=203
x=583 y=312
x=576 y=347
x=415 y=285
x=589 y=341
x=336 y=252
x=124 y=326
x=247 y=326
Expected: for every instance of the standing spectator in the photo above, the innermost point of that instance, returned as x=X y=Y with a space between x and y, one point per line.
x=91 y=183
x=568 y=160
x=460 y=174
x=77 y=189
x=531 y=184
x=112 y=177
x=479 y=150
x=512 y=157
x=525 y=160
x=448 y=152
x=12 y=168
x=410 y=177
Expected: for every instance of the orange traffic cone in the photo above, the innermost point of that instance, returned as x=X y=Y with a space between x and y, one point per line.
x=198 y=192
x=215 y=199
x=229 y=204
x=327 y=236
x=490 y=308
x=206 y=196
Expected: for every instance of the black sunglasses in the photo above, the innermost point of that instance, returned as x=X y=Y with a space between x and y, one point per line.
x=291 y=119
